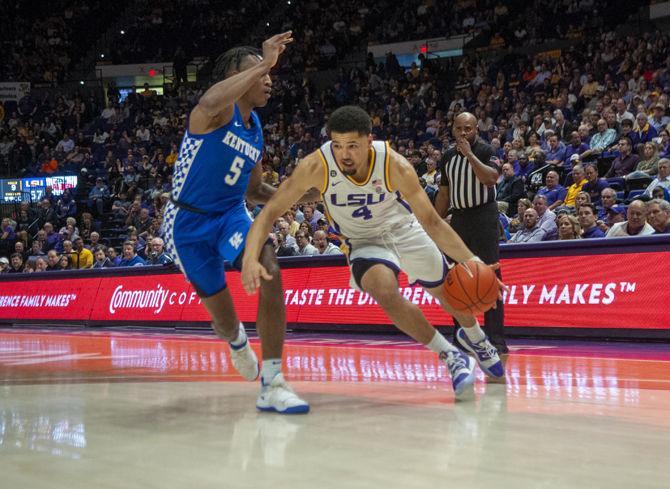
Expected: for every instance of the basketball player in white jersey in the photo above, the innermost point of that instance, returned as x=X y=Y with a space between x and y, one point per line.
x=373 y=198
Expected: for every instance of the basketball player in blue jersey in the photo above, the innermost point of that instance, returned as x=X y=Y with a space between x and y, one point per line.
x=373 y=198
x=206 y=221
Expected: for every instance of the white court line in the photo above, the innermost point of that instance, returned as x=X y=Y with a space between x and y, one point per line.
x=590 y=358
x=422 y=350
x=514 y=354
x=520 y=355
x=85 y=379
x=303 y=377
x=417 y=348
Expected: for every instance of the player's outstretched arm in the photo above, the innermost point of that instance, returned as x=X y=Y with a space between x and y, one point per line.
x=404 y=178
x=311 y=196
x=308 y=174
x=260 y=192
x=217 y=102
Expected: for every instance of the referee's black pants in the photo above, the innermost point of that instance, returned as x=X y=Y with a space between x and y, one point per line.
x=478 y=228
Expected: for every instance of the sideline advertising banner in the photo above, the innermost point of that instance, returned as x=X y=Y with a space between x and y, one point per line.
x=611 y=291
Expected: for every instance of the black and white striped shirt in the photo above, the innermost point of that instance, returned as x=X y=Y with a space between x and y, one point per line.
x=465 y=189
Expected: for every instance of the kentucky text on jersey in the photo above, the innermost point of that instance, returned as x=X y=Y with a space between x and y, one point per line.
x=212 y=171
x=242 y=146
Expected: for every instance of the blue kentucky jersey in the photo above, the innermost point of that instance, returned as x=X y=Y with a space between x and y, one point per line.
x=212 y=171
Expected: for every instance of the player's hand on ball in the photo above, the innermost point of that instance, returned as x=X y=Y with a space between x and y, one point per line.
x=252 y=274
x=502 y=288
x=274 y=46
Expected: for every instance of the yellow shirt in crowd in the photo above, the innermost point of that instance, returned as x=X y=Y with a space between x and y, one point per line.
x=573 y=190
x=82 y=259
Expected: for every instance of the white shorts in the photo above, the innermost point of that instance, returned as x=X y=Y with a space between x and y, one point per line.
x=407 y=248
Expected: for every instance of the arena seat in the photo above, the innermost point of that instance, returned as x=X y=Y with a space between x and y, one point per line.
x=617 y=183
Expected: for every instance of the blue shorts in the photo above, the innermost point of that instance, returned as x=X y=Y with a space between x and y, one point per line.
x=200 y=243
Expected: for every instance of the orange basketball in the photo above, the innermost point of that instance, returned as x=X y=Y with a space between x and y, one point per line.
x=471 y=287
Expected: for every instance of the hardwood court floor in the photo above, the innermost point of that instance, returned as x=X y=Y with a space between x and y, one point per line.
x=126 y=410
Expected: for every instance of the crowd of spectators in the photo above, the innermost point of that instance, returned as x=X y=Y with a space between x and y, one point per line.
x=43 y=39
x=33 y=243
x=327 y=32
x=156 y=31
x=595 y=119
x=124 y=171
x=581 y=141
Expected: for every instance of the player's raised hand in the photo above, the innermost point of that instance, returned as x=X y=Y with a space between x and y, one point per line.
x=252 y=274
x=274 y=46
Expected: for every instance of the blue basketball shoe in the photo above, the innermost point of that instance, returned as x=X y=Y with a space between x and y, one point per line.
x=485 y=353
x=462 y=370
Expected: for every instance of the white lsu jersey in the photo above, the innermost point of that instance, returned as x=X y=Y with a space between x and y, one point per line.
x=362 y=209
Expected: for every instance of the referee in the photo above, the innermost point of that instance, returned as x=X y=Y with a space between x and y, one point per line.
x=467 y=186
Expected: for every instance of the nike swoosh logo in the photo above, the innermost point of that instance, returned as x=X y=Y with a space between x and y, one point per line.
x=237 y=124
x=335 y=183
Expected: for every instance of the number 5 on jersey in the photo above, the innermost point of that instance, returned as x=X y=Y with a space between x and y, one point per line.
x=235 y=171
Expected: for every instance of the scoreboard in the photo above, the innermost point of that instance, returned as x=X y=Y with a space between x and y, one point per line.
x=33 y=188
x=11 y=190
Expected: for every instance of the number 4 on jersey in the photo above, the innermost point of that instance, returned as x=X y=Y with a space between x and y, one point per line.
x=363 y=212
x=235 y=171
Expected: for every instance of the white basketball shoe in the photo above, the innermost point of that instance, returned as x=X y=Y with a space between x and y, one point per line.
x=245 y=361
x=278 y=397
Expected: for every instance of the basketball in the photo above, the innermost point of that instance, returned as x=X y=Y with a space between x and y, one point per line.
x=471 y=287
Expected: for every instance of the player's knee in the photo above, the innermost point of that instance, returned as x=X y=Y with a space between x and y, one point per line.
x=386 y=296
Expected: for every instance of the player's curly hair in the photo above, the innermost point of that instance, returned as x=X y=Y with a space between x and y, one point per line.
x=231 y=60
x=349 y=118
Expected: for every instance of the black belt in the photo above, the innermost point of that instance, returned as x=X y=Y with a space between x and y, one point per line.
x=187 y=207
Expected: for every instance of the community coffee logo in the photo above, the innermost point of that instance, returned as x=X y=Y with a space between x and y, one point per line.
x=151 y=299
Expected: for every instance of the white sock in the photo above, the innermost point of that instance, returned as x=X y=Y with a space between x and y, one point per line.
x=440 y=344
x=475 y=333
x=241 y=338
x=271 y=367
